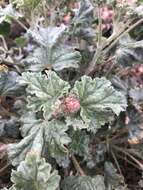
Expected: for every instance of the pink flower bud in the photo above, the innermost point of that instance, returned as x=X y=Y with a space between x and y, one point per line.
x=3 y=148
x=72 y=104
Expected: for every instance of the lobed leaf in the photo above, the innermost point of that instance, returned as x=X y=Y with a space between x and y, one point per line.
x=50 y=53
x=97 y=99
x=32 y=132
x=58 y=58
x=81 y=24
x=35 y=174
x=47 y=36
x=84 y=14
x=57 y=138
x=38 y=134
x=44 y=92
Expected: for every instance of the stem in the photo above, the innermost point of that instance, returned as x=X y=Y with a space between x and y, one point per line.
x=53 y=16
x=121 y=132
x=112 y=41
x=4 y=43
x=130 y=162
x=3 y=111
x=4 y=168
x=116 y=162
x=129 y=155
x=100 y=27
x=122 y=34
x=77 y=166
x=99 y=48
x=94 y=61
x=21 y=24
x=110 y=69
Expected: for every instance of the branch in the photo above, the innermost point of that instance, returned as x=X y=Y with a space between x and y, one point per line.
x=21 y=24
x=77 y=166
x=122 y=34
x=105 y=49
x=129 y=155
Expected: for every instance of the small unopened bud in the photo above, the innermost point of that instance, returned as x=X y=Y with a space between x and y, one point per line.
x=72 y=104
x=3 y=148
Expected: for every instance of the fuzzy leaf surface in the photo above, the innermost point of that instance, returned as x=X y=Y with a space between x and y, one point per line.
x=84 y=182
x=37 y=135
x=98 y=99
x=135 y=125
x=82 y=22
x=47 y=36
x=32 y=132
x=112 y=178
x=35 y=174
x=129 y=52
x=9 y=85
x=46 y=91
x=80 y=143
x=137 y=95
x=7 y=13
x=50 y=53
x=56 y=137
x=85 y=13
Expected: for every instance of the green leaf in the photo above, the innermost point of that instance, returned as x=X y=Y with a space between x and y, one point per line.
x=81 y=24
x=137 y=95
x=9 y=127
x=32 y=132
x=98 y=99
x=58 y=58
x=7 y=13
x=37 y=135
x=84 y=15
x=76 y=122
x=50 y=53
x=35 y=174
x=47 y=37
x=4 y=29
x=96 y=155
x=20 y=41
x=112 y=178
x=80 y=143
x=129 y=52
x=9 y=85
x=29 y=4
x=134 y=125
x=57 y=138
x=44 y=91
x=120 y=85
x=83 y=183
